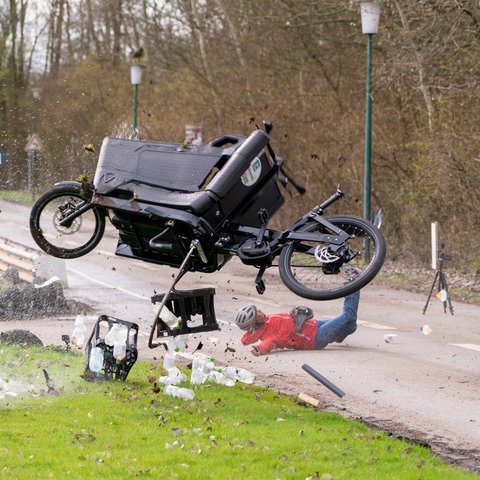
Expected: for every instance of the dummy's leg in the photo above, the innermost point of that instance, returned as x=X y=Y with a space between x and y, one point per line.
x=338 y=328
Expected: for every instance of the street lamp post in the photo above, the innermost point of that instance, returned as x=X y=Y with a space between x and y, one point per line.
x=136 y=78
x=36 y=98
x=370 y=13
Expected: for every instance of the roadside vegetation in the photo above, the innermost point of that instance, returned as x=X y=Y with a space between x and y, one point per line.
x=114 y=429
x=17 y=196
x=224 y=66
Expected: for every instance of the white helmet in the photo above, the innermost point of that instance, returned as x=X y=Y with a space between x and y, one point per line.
x=246 y=317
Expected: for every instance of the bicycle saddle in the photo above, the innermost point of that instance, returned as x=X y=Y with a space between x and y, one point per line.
x=300 y=315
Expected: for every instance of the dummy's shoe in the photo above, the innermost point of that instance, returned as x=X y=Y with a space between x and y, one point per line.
x=342 y=338
x=352 y=273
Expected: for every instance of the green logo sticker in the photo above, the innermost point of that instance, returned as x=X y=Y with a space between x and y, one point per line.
x=251 y=175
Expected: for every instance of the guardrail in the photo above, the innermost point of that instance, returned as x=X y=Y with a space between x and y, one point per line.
x=30 y=263
x=20 y=257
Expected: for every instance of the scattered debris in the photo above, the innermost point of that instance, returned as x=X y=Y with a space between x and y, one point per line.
x=303 y=397
x=389 y=338
x=203 y=369
x=50 y=385
x=66 y=339
x=4 y=390
x=426 y=330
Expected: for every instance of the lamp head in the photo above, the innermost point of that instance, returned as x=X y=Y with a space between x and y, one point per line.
x=370 y=12
x=136 y=70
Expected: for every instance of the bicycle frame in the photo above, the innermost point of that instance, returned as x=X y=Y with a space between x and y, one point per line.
x=275 y=238
x=291 y=233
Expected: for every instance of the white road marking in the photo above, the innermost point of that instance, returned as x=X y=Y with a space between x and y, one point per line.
x=377 y=326
x=107 y=285
x=470 y=346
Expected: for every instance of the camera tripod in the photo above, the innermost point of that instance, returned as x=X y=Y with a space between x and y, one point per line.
x=442 y=284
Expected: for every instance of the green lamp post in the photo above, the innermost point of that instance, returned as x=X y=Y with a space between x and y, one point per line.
x=370 y=13
x=136 y=70
x=36 y=98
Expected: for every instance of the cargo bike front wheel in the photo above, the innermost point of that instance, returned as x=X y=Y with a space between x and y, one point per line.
x=59 y=229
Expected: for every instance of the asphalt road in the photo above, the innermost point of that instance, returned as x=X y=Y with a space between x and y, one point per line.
x=422 y=387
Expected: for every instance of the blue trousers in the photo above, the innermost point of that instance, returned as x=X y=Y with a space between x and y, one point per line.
x=338 y=328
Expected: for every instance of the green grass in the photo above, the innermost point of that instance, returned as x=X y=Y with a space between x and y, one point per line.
x=130 y=429
x=17 y=196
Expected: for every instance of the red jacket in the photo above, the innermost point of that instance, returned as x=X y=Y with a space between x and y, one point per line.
x=278 y=331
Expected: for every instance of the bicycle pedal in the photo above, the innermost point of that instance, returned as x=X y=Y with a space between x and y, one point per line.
x=260 y=284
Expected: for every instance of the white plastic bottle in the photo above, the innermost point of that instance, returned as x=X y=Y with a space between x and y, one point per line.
x=199 y=374
x=177 y=343
x=177 y=392
x=174 y=377
x=245 y=376
x=95 y=362
x=111 y=335
x=4 y=391
x=168 y=361
x=209 y=365
x=169 y=317
x=79 y=330
x=202 y=369
x=230 y=374
x=120 y=344
x=216 y=377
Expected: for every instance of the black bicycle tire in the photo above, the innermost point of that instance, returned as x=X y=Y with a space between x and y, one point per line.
x=347 y=288
x=53 y=250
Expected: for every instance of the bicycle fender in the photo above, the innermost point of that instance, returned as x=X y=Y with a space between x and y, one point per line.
x=69 y=183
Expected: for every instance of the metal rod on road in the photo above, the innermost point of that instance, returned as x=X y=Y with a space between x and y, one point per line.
x=323 y=380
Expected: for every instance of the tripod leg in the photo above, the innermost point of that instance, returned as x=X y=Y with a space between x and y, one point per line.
x=431 y=290
x=448 y=300
x=441 y=279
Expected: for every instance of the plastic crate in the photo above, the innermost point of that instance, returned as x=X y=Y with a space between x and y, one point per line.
x=112 y=368
x=186 y=305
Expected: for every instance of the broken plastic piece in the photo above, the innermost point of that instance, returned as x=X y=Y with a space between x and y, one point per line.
x=389 y=338
x=442 y=295
x=303 y=397
x=426 y=330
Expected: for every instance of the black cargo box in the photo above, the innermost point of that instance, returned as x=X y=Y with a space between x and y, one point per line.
x=161 y=173
x=170 y=166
